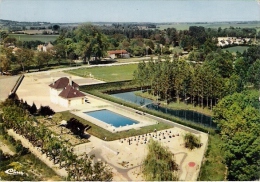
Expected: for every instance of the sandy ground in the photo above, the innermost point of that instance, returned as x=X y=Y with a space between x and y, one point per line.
x=34 y=88
x=6 y=85
x=119 y=152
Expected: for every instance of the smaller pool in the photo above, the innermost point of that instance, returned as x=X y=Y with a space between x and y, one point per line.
x=110 y=117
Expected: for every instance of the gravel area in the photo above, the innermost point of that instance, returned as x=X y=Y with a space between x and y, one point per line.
x=6 y=85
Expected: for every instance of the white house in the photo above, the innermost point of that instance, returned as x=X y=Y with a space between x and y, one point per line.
x=66 y=93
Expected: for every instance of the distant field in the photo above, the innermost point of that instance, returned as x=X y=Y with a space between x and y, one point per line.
x=240 y=49
x=185 y=26
x=107 y=73
x=43 y=38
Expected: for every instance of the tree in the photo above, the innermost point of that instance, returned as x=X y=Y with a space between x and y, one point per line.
x=191 y=141
x=3 y=35
x=253 y=74
x=159 y=164
x=55 y=27
x=43 y=58
x=25 y=58
x=140 y=74
x=91 y=42
x=76 y=127
x=58 y=52
x=4 y=63
x=46 y=111
x=33 y=109
x=237 y=117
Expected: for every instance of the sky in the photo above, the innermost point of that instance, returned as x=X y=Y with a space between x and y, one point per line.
x=75 y=11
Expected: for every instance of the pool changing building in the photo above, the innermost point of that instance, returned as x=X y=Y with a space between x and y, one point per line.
x=66 y=93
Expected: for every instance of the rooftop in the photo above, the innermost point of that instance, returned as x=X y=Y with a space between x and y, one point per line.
x=62 y=83
x=71 y=92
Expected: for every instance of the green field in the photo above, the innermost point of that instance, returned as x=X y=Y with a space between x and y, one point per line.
x=107 y=73
x=240 y=49
x=185 y=26
x=43 y=38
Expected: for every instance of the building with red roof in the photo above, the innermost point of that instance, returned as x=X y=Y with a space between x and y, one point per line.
x=65 y=92
x=118 y=54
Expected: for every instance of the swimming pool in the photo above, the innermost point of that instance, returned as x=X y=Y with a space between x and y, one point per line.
x=110 y=117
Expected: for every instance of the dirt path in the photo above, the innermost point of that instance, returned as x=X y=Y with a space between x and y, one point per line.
x=37 y=153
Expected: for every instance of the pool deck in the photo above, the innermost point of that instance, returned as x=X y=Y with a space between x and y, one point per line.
x=141 y=119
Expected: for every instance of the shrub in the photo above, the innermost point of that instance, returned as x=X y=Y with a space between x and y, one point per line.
x=191 y=141
x=32 y=109
x=46 y=111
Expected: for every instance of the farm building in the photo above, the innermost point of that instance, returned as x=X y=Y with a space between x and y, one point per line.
x=44 y=47
x=118 y=54
x=66 y=93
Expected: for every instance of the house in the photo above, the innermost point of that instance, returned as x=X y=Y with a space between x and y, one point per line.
x=15 y=49
x=44 y=47
x=226 y=41
x=118 y=54
x=65 y=92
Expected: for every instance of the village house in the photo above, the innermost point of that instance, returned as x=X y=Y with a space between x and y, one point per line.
x=226 y=41
x=118 y=54
x=45 y=47
x=15 y=49
x=65 y=92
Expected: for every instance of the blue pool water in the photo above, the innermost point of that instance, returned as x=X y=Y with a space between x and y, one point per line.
x=188 y=115
x=110 y=117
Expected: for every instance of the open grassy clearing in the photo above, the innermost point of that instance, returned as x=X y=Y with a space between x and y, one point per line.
x=240 y=49
x=107 y=73
x=102 y=133
x=43 y=38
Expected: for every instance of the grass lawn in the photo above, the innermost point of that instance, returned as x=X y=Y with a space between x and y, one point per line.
x=102 y=133
x=107 y=73
x=43 y=38
x=213 y=168
x=240 y=49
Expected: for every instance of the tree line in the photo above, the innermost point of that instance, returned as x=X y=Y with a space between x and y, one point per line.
x=220 y=74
